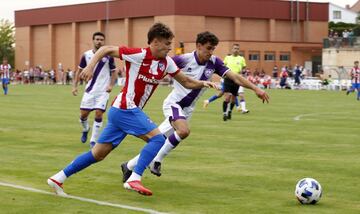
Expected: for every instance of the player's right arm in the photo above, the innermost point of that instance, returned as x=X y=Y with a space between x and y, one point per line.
x=88 y=71
x=191 y=83
x=76 y=81
x=240 y=80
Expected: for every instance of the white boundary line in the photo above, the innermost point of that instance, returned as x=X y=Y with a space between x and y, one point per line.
x=104 y=203
x=298 y=117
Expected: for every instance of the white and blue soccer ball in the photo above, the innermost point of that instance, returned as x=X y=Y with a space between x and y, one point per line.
x=308 y=191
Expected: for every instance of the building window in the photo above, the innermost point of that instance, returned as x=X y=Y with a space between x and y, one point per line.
x=285 y=57
x=269 y=56
x=336 y=14
x=254 y=56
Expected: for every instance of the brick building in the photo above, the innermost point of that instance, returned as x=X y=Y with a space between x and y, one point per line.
x=269 y=31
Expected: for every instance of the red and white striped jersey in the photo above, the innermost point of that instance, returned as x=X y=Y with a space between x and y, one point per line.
x=143 y=74
x=355 y=75
x=5 y=71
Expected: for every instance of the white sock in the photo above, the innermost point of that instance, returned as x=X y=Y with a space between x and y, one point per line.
x=134 y=177
x=59 y=177
x=96 y=131
x=85 y=125
x=132 y=163
x=243 y=105
x=166 y=149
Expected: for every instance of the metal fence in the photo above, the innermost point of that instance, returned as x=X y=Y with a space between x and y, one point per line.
x=339 y=42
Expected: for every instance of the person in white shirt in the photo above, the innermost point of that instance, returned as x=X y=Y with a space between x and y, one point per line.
x=180 y=103
x=97 y=90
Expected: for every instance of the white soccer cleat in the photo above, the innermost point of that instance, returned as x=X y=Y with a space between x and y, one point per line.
x=56 y=186
x=245 y=111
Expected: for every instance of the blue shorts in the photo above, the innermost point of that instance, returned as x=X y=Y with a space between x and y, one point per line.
x=123 y=122
x=355 y=85
x=5 y=81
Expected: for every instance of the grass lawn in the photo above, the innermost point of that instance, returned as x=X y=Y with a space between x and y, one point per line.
x=249 y=164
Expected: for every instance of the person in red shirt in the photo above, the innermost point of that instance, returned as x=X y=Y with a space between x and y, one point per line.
x=5 y=70
x=355 y=79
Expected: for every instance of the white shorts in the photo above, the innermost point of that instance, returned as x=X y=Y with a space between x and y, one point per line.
x=94 y=101
x=172 y=112
x=241 y=90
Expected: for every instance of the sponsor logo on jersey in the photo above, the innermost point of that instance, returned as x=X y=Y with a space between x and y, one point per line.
x=208 y=72
x=148 y=80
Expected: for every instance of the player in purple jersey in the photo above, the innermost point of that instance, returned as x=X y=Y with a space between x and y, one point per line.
x=180 y=103
x=97 y=90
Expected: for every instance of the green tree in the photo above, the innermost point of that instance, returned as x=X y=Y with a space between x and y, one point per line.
x=7 y=41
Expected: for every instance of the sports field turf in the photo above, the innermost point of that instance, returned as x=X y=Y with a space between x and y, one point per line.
x=247 y=165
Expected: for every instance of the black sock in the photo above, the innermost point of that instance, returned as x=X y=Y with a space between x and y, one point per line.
x=225 y=105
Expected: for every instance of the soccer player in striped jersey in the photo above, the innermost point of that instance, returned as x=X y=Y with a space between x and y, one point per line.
x=180 y=103
x=355 y=79
x=5 y=69
x=97 y=90
x=145 y=67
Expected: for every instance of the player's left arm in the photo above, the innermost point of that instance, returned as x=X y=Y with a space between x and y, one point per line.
x=190 y=83
x=240 y=80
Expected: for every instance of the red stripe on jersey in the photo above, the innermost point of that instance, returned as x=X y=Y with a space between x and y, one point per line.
x=144 y=68
x=128 y=51
x=139 y=91
x=124 y=91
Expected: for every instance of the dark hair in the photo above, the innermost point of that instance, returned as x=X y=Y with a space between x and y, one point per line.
x=159 y=31
x=236 y=44
x=98 y=34
x=356 y=62
x=206 y=37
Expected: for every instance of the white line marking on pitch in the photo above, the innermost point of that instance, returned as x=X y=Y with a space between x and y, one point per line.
x=297 y=118
x=303 y=115
x=104 y=203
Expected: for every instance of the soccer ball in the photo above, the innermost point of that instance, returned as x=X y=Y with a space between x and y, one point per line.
x=308 y=191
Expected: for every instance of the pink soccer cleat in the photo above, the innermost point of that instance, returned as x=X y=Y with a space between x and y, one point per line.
x=138 y=187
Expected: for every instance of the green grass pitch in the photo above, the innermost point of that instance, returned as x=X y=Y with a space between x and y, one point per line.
x=247 y=165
